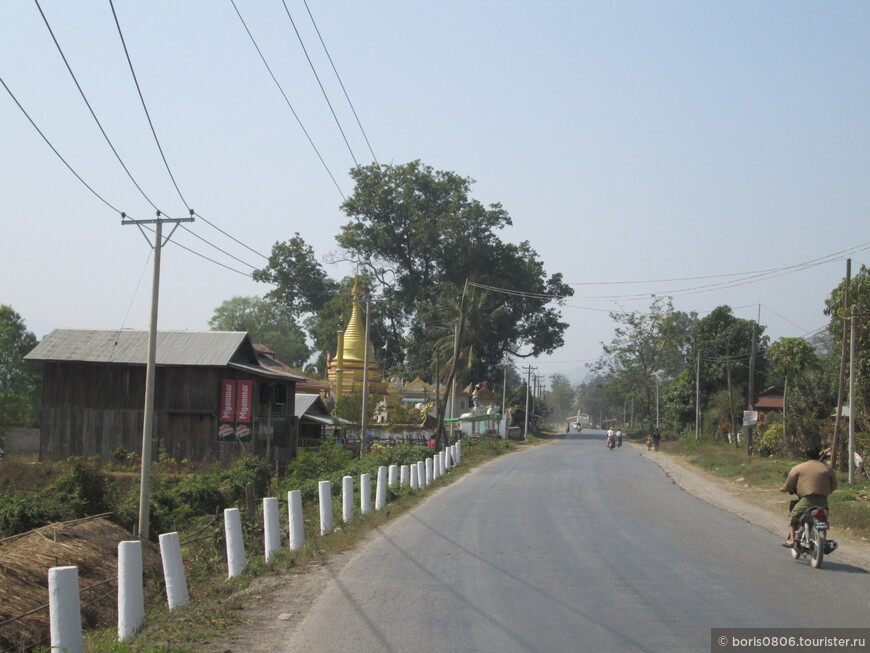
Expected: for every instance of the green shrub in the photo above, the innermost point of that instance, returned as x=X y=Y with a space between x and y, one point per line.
x=19 y=514
x=770 y=442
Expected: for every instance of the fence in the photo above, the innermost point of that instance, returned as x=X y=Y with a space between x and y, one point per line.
x=64 y=602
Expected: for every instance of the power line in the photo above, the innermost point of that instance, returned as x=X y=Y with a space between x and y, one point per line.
x=338 y=77
x=145 y=107
x=319 y=83
x=58 y=154
x=286 y=99
x=84 y=97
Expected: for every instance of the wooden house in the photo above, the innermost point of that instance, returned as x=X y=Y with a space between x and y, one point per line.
x=214 y=400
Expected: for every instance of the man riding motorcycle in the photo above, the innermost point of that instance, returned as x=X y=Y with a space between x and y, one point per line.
x=812 y=481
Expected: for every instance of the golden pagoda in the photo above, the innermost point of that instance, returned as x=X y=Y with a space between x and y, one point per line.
x=346 y=370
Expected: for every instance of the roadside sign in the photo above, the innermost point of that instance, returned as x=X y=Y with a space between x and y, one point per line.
x=750 y=417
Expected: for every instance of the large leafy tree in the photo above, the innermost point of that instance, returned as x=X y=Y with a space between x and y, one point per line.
x=421 y=236
x=417 y=236
x=266 y=324
x=19 y=379
x=648 y=347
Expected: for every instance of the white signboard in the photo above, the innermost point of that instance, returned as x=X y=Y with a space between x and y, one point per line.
x=750 y=417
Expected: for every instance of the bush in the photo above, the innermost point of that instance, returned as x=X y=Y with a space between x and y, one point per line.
x=770 y=442
x=19 y=514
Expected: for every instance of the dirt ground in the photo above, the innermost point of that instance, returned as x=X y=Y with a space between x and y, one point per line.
x=276 y=605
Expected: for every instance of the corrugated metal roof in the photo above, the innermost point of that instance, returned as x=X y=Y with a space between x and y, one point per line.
x=195 y=348
x=305 y=402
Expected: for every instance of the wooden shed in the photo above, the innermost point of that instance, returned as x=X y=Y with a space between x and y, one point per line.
x=213 y=399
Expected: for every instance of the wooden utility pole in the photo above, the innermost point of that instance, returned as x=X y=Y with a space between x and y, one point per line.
x=835 y=442
x=144 y=523
x=751 y=391
x=442 y=405
x=364 y=417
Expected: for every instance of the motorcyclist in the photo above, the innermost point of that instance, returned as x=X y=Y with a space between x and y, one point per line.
x=812 y=481
x=611 y=436
x=618 y=437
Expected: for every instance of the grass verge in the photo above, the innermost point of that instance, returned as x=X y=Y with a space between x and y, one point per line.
x=850 y=504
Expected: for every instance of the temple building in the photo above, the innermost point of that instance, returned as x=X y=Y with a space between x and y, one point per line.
x=346 y=369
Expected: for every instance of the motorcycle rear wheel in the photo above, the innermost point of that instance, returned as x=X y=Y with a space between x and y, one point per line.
x=818 y=552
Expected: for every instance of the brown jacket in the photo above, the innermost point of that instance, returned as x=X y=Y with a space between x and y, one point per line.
x=811 y=477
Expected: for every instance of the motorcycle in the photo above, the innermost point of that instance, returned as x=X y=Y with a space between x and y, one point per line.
x=811 y=539
x=611 y=443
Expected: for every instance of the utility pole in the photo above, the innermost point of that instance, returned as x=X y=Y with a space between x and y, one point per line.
x=364 y=418
x=835 y=443
x=144 y=523
x=504 y=398
x=852 y=365
x=528 y=387
x=751 y=391
x=697 y=397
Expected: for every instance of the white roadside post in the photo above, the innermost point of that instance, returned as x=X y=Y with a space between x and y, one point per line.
x=415 y=477
x=131 y=590
x=405 y=475
x=428 y=468
x=393 y=477
x=346 y=498
x=381 y=490
x=448 y=462
x=365 y=494
x=458 y=446
x=271 y=526
x=421 y=474
x=64 y=610
x=173 y=570
x=236 y=560
x=324 y=493
x=296 y=522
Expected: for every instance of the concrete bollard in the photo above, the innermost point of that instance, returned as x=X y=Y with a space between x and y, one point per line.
x=405 y=475
x=381 y=489
x=448 y=462
x=324 y=493
x=236 y=560
x=173 y=570
x=458 y=446
x=296 y=521
x=436 y=467
x=365 y=494
x=346 y=498
x=415 y=478
x=271 y=526
x=131 y=590
x=421 y=474
x=64 y=610
x=428 y=470
x=393 y=477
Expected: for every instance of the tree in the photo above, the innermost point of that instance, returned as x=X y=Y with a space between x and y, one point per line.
x=859 y=300
x=791 y=356
x=562 y=396
x=647 y=348
x=20 y=380
x=301 y=284
x=421 y=237
x=266 y=324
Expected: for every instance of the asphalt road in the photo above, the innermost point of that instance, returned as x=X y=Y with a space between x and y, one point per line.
x=570 y=547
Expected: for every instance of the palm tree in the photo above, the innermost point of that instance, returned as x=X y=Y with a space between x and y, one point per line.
x=791 y=356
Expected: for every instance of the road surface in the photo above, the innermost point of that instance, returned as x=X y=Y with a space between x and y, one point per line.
x=569 y=547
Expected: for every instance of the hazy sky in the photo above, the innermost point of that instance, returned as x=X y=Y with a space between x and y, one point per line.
x=679 y=146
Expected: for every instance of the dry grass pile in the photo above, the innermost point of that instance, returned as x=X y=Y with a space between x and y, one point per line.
x=90 y=544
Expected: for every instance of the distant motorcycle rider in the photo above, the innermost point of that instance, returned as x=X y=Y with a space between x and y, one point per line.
x=812 y=481
x=618 y=437
x=611 y=437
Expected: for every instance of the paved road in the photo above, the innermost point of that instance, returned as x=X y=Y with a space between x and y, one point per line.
x=569 y=547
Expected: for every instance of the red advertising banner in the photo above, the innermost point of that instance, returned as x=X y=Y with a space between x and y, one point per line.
x=228 y=401
x=246 y=391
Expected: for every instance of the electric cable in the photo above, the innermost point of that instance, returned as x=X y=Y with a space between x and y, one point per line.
x=58 y=154
x=338 y=77
x=84 y=97
x=287 y=100
x=319 y=83
x=145 y=107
